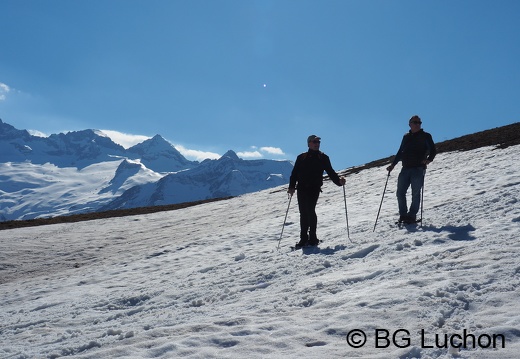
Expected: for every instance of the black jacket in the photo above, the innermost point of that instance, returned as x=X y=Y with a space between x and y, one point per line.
x=415 y=148
x=308 y=171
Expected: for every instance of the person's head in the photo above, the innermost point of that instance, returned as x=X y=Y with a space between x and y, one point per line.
x=313 y=142
x=415 y=123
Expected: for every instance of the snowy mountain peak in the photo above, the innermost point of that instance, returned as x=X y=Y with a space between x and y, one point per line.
x=159 y=155
x=100 y=133
x=8 y=132
x=128 y=165
x=231 y=154
x=156 y=144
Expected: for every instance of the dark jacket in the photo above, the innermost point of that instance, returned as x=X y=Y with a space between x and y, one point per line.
x=415 y=148
x=308 y=171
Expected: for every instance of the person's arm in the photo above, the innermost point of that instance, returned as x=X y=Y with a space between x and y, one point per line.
x=397 y=157
x=294 y=176
x=431 y=149
x=332 y=174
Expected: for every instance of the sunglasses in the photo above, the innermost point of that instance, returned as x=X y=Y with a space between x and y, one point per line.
x=316 y=141
x=416 y=122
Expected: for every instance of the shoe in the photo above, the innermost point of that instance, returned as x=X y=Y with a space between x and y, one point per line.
x=407 y=219
x=411 y=218
x=313 y=241
x=302 y=243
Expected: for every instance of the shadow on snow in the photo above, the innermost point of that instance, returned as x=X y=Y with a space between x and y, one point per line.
x=461 y=233
x=326 y=251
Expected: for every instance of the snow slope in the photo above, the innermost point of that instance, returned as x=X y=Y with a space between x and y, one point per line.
x=208 y=281
x=31 y=190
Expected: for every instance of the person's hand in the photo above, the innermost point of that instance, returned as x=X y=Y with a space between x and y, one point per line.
x=290 y=191
x=342 y=181
x=390 y=168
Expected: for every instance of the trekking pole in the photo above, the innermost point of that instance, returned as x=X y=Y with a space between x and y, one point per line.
x=382 y=197
x=422 y=195
x=290 y=197
x=346 y=212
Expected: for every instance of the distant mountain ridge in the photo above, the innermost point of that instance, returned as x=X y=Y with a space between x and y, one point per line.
x=85 y=171
x=227 y=176
x=83 y=148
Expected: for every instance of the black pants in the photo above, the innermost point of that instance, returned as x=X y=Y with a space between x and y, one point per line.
x=307 y=199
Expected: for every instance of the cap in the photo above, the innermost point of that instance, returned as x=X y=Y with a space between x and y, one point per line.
x=312 y=138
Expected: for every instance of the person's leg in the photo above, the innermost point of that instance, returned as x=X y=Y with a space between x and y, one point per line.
x=403 y=182
x=416 y=180
x=313 y=218
x=304 y=217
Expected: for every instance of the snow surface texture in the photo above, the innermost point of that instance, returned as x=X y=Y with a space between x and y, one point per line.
x=208 y=282
x=32 y=191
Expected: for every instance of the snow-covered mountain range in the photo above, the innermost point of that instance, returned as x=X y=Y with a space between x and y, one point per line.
x=85 y=171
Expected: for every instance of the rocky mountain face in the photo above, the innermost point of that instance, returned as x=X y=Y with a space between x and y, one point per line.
x=159 y=155
x=227 y=176
x=83 y=148
x=85 y=171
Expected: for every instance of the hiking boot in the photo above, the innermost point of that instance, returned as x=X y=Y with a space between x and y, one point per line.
x=301 y=244
x=407 y=219
x=410 y=219
x=313 y=241
x=303 y=241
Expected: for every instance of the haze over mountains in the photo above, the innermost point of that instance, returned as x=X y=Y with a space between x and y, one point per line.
x=85 y=171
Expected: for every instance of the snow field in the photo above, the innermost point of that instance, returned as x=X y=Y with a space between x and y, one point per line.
x=208 y=282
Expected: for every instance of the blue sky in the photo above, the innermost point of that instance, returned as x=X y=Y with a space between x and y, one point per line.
x=258 y=77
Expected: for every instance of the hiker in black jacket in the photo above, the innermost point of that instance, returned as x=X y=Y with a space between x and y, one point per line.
x=307 y=179
x=417 y=150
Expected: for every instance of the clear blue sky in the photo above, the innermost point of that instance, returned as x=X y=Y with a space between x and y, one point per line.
x=258 y=76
